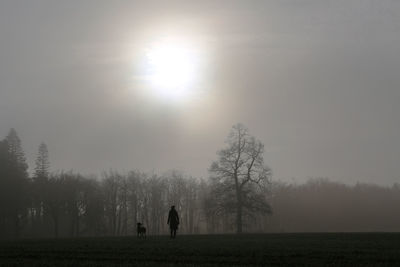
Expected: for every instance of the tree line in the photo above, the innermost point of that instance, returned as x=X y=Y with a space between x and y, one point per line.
x=63 y=203
x=239 y=196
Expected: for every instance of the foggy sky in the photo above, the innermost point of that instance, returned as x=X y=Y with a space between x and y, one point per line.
x=316 y=81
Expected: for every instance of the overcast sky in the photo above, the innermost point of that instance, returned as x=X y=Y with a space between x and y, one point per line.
x=318 y=82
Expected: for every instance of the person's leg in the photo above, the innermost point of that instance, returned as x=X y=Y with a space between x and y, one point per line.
x=174 y=233
x=171 y=232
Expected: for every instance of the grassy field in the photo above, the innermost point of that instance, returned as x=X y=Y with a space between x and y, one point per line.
x=337 y=249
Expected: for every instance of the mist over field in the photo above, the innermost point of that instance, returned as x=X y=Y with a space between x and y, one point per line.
x=199 y=133
x=240 y=196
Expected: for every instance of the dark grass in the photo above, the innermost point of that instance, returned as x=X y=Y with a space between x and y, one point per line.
x=333 y=249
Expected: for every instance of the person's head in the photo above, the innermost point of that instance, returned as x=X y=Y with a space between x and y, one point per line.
x=172 y=207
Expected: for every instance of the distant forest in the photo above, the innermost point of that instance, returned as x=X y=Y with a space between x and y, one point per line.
x=239 y=196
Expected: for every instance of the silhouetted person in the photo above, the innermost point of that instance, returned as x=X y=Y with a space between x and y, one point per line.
x=173 y=221
x=141 y=230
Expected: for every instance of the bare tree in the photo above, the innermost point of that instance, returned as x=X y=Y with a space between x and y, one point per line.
x=237 y=175
x=54 y=200
x=111 y=186
x=93 y=200
x=134 y=180
x=40 y=178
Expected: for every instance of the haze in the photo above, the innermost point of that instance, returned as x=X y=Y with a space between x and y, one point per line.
x=316 y=81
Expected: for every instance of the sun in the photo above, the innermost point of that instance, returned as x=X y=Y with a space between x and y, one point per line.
x=171 y=68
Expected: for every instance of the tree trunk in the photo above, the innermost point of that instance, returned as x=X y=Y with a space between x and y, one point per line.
x=239 y=219
x=239 y=208
x=16 y=225
x=135 y=212
x=77 y=226
x=118 y=227
x=125 y=213
x=113 y=219
x=191 y=215
x=55 y=218
x=239 y=204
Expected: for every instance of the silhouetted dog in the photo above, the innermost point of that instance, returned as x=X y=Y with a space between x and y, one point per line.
x=141 y=231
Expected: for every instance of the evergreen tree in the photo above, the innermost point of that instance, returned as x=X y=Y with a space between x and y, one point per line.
x=4 y=190
x=16 y=153
x=40 y=182
x=16 y=181
x=42 y=162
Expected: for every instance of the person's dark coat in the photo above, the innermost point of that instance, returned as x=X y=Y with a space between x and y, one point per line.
x=173 y=219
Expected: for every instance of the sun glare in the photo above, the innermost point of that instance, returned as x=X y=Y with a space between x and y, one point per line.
x=171 y=69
